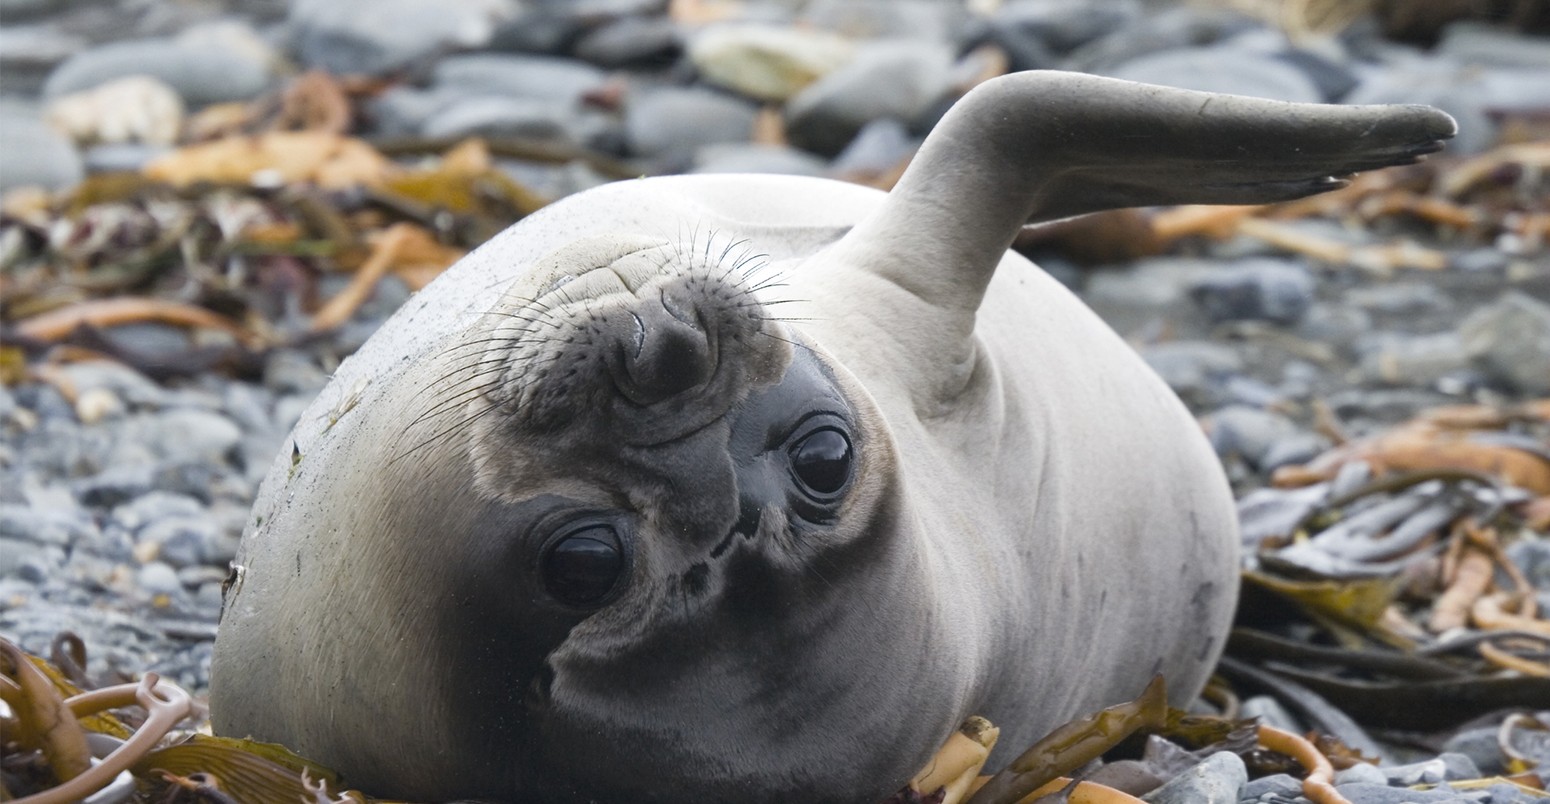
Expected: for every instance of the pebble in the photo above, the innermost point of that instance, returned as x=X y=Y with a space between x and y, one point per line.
x=1247 y=433
x=377 y=37
x=35 y=154
x=1278 y=786
x=1222 y=69
x=677 y=121
x=1193 y=369
x=200 y=72
x=1511 y=339
x=517 y=76
x=894 y=79
x=159 y=578
x=1271 y=713
x=136 y=108
x=637 y=42
x=1278 y=291
x=1219 y=779
x=753 y=158
x=767 y=62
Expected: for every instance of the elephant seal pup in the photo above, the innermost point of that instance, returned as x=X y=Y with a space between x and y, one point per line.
x=752 y=488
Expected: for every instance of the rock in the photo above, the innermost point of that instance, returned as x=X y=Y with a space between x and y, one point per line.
x=1478 y=43
x=1221 y=69
x=881 y=146
x=1193 y=369
x=668 y=121
x=1399 y=298
x=1294 y=449
x=404 y=110
x=1219 y=779
x=1511 y=339
x=895 y=79
x=186 y=434
x=1281 y=785
x=1278 y=291
x=1397 y=359
x=114 y=486
x=639 y=42
x=1362 y=773
x=181 y=541
x=156 y=505
x=1247 y=432
x=1057 y=27
x=767 y=62
x=376 y=37
x=1479 y=745
x=500 y=117
x=35 y=154
x=535 y=77
x=29 y=561
x=928 y=20
x=128 y=157
x=755 y=158
x=1271 y=713
x=136 y=108
x=159 y=578
x=1338 y=326
x=1170 y=29
x=1456 y=89
x=60 y=527
x=28 y=53
x=1361 y=793
x=200 y=72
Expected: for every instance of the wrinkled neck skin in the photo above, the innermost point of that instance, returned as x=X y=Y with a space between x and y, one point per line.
x=762 y=639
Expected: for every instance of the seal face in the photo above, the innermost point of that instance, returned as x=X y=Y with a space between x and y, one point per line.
x=764 y=514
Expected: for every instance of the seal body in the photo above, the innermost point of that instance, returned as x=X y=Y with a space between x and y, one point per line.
x=743 y=488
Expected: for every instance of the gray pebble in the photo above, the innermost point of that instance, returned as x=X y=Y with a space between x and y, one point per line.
x=159 y=578
x=502 y=117
x=754 y=158
x=61 y=527
x=1219 y=779
x=1480 y=745
x=1272 y=713
x=35 y=155
x=180 y=541
x=375 y=37
x=1360 y=793
x=1363 y=773
x=1281 y=784
x=879 y=147
x=679 y=120
x=1193 y=369
x=1430 y=771
x=114 y=486
x=1511 y=338
x=513 y=76
x=1278 y=291
x=29 y=561
x=633 y=41
x=201 y=73
x=1400 y=359
x=929 y=20
x=1248 y=433
x=1222 y=69
x=897 y=79
x=1297 y=448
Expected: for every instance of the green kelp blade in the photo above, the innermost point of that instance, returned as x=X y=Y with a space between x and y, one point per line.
x=249 y=771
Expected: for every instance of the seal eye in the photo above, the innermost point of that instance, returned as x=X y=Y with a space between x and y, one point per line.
x=821 y=461
x=581 y=568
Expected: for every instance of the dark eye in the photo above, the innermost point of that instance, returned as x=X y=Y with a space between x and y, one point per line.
x=821 y=461
x=582 y=567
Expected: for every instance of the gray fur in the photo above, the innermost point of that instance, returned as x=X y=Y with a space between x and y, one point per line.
x=1035 y=526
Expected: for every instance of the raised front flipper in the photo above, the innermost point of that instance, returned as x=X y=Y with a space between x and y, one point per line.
x=1037 y=146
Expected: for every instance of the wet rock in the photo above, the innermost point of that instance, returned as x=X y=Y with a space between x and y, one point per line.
x=60 y=527
x=1511 y=339
x=640 y=42
x=1278 y=291
x=1477 y=43
x=1193 y=369
x=200 y=72
x=767 y=62
x=114 y=486
x=1362 y=773
x=35 y=154
x=1281 y=785
x=159 y=578
x=535 y=77
x=1170 y=29
x=136 y=108
x=881 y=146
x=180 y=541
x=886 y=19
x=1055 y=27
x=1398 y=359
x=669 y=121
x=755 y=158
x=1221 y=69
x=1272 y=713
x=29 y=561
x=498 y=116
x=1480 y=745
x=1247 y=433
x=897 y=79
x=1219 y=779
x=1338 y=326
x=1361 y=793
x=375 y=37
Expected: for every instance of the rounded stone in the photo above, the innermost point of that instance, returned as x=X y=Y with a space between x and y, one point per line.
x=374 y=37
x=895 y=79
x=201 y=73
x=1221 y=69
x=35 y=154
x=767 y=62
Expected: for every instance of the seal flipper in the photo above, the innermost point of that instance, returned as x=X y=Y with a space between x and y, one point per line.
x=1042 y=145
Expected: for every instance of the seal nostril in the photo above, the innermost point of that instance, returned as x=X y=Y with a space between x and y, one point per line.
x=640 y=334
x=670 y=357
